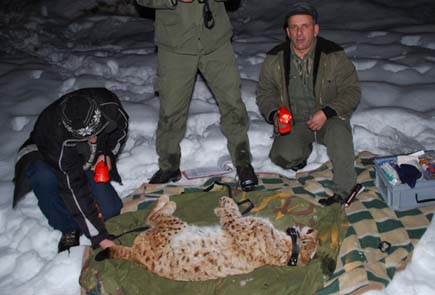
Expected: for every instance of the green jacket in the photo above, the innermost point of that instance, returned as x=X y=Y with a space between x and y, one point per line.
x=179 y=27
x=335 y=81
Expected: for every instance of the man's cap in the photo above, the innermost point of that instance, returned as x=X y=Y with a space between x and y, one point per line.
x=304 y=8
x=81 y=116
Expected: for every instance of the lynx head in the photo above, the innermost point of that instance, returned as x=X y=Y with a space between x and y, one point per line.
x=308 y=242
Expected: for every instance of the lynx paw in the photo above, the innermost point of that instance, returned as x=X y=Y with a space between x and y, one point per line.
x=226 y=202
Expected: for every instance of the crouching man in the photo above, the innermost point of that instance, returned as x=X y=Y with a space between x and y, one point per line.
x=313 y=79
x=70 y=137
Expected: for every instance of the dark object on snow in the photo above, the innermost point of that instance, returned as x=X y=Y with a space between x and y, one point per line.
x=408 y=174
x=68 y=240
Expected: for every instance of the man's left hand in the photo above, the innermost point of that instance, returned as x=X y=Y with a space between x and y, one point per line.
x=317 y=121
x=101 y=158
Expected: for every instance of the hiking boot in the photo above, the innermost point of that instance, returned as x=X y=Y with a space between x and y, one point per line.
x=68 y=240
x=332 y=200
x=299 y=166
x=247 y=178
x=357 y=189
x=165 y=176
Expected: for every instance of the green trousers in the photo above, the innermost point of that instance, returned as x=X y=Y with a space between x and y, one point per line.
x=291 y=149
x=177 y=76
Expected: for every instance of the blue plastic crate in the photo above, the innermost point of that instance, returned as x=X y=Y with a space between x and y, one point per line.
x=401 y=196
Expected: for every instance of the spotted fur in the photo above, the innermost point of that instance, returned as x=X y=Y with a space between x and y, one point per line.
x=176 y=250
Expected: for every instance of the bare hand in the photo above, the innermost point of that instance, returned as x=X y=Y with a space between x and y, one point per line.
x=106 y=243
x=101 y=158
x=186 y=1
x=276 y=122
x=317 y=121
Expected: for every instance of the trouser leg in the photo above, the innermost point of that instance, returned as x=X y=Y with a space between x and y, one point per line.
x=222 y=76
x=45 y=185
x=177 y=75
x=107 y=198
x=336 y=135
x=292 y=149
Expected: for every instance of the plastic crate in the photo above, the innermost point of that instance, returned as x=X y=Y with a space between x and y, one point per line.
x=401 y=196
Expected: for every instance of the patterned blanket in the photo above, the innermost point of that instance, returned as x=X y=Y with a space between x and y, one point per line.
x=375 y=244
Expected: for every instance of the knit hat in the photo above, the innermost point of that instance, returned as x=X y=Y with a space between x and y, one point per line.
x=81 y=116
x=304 y=8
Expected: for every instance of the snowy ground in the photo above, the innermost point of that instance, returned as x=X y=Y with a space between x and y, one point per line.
x=45 y=56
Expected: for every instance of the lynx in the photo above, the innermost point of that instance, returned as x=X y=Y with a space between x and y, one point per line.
x=175 y=250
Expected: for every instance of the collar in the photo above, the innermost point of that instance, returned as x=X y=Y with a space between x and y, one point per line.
x=291 y=231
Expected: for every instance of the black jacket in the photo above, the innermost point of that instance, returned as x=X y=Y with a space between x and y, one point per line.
x=51 y=142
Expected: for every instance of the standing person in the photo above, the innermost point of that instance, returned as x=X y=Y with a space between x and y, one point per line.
x=191 y=36
x=313 y=78
x=69 y=138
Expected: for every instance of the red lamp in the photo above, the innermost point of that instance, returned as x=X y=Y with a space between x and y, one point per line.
x=284 y=121
x=101 y=172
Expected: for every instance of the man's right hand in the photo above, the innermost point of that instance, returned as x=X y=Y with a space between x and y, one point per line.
x=276 y=122
x=106 y=243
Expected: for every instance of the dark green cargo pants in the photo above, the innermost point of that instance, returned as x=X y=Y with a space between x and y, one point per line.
x=290 y=150
x=177 y=75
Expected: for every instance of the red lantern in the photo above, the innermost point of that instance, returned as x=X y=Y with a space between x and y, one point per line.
x=284 y=121
x=101 y=172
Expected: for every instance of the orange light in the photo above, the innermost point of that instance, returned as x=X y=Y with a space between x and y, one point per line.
x=101 y=172
x=284 y=118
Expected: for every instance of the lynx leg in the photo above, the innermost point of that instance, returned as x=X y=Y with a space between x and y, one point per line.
x=228 y=203
x=228 y=212
x=162 y=201
x=164 y=207
x=121 y=252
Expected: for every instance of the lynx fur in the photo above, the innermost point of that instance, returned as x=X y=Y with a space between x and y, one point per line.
x=178 y=251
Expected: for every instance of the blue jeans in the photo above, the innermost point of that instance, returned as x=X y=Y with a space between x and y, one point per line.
x=45 y=185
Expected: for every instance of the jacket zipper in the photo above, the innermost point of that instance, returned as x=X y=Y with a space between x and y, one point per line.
x=284 y=93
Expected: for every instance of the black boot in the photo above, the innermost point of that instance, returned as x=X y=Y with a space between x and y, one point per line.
x=300 y=166
x=331 y=200
x=68 y=240
x=165 y=176
x=247 y=178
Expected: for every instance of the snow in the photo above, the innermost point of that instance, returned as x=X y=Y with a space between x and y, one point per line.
x=54 y=47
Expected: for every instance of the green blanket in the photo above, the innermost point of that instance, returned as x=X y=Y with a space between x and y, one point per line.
x=360 y=266
x=284 y=210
